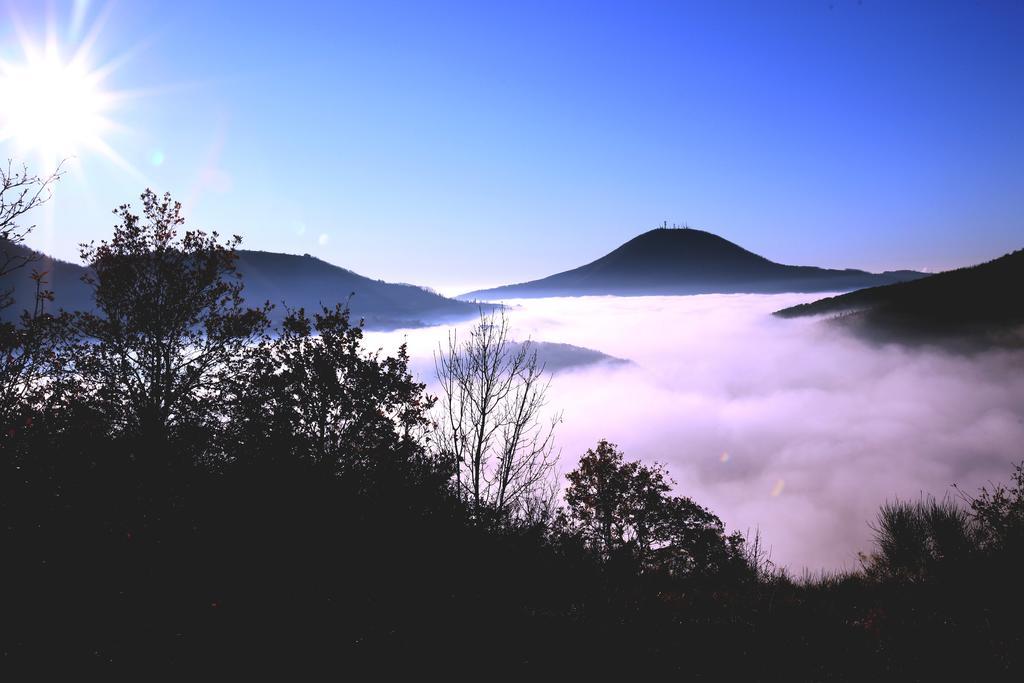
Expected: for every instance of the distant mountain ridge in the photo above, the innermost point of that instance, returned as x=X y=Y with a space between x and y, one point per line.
x=306 y=281
x=982 y=301
x=298 y=281
x=688 y=261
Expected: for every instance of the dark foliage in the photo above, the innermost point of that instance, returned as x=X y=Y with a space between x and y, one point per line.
x=169 y=329
x=311 y=393
x=978 y=305
x=185 y=492
x=623 y=512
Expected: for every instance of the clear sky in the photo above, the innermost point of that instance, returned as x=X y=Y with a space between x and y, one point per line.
x=475 y=143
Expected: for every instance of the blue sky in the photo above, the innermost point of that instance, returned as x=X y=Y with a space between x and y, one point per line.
x=466 y=144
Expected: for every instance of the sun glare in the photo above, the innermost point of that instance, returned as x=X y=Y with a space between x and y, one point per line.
x=55 y=107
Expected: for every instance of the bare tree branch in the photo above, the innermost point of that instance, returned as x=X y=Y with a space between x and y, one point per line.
x=20 y=192
x=492 y=419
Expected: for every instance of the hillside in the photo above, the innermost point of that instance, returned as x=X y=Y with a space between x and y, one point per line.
x=298 y=281
x=308 y=281
x=687 y=261
x=979 y=300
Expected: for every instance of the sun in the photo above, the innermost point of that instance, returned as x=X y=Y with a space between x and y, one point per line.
x=49 y=105
x=56 y=107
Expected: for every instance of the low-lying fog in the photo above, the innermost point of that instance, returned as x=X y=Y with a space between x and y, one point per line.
x=786 y=425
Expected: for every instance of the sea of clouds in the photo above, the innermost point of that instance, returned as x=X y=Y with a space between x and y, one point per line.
x=792 y=427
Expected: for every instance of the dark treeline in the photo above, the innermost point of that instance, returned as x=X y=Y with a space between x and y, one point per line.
x=185 y=489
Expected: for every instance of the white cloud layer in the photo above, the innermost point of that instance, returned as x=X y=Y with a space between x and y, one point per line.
x=786 y=425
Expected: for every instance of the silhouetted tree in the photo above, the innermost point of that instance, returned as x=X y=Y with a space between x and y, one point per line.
x=28 y=343
x=492 y=423
x=169 y=327
x=999 y=516
x=20 y=193
x=33 y=360
x=692 y=541
x=606 y=495
x=312 y=391
x=625 y=506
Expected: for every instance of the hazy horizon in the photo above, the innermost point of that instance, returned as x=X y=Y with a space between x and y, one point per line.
x=452 y=288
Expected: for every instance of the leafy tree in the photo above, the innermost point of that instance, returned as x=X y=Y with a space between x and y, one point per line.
x=999 y=515
x=170 y=326
x=28 y=343
x=33 y=362
x=622 y=506
x=614 y=502
x=312 y=392
x=693 y=541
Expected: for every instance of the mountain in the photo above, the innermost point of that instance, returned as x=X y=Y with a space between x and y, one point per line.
x=299 y=281
x=306 y=281
x=688 y=261
x=980 y=302
x=61 y=277
x=554 y=356
x=557 y=357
